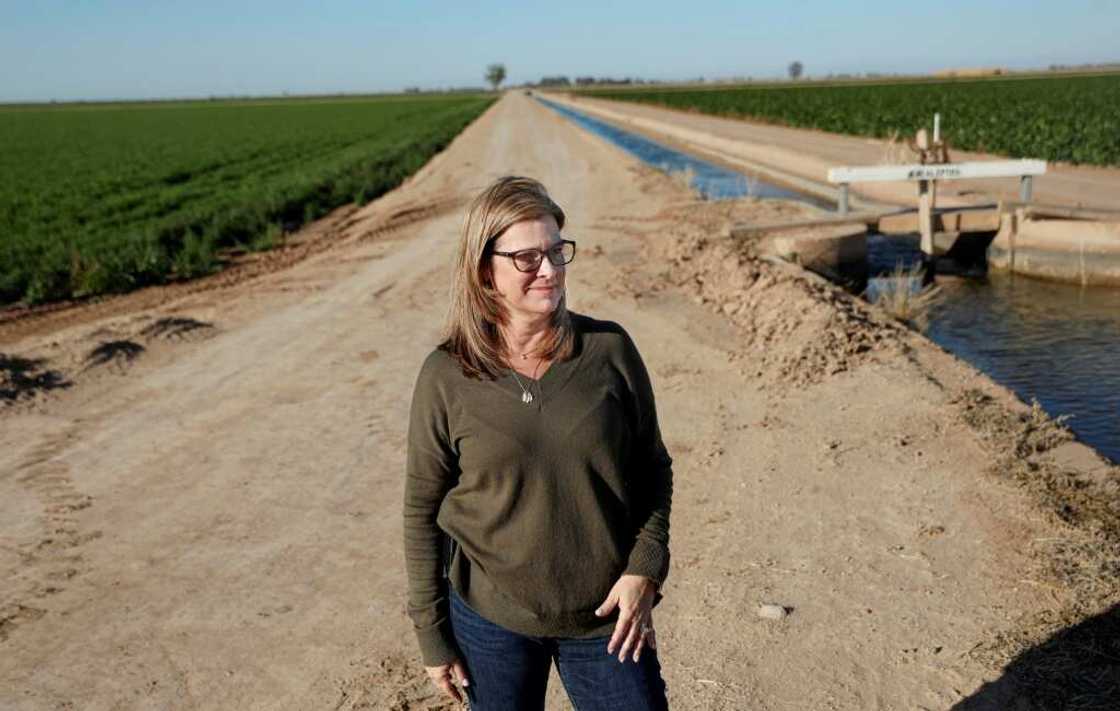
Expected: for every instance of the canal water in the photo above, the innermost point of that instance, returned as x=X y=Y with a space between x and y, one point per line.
x=712 y=181
x=1057 y=343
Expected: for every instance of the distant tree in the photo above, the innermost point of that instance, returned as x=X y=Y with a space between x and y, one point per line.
x=496 y=74
x=795 y=70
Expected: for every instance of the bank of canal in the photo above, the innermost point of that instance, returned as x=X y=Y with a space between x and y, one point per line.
x=1057 y=343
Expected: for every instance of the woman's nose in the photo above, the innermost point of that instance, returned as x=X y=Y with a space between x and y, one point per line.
x=547 y=268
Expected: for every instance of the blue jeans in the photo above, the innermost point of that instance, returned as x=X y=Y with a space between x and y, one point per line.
x=510 y=671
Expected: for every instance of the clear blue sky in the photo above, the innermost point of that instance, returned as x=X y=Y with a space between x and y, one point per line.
x=84 y=49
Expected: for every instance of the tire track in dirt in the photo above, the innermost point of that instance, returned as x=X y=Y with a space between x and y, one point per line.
x=52 y=557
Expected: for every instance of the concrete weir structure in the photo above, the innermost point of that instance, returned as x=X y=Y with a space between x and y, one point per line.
x=828 y=245
x=839 y=249
x=1057 y=242
x=1081 y=251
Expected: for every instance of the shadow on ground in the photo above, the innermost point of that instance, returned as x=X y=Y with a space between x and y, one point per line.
x=114 y=351
x=26 y=377
x=174 y=327
x=1077 y=669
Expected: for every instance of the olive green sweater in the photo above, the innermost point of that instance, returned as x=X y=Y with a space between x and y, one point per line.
x=546 y=504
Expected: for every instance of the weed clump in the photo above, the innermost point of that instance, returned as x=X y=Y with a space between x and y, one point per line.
x=903 y=296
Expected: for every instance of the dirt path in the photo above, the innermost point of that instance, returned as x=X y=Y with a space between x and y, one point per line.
x=207 y=515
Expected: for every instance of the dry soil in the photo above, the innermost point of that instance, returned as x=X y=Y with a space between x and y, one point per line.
x=201 y=485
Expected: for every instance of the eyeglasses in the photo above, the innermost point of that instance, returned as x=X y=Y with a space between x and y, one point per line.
x=529 y=260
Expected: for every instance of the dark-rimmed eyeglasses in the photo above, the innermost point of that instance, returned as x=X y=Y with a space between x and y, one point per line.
x=529 y=260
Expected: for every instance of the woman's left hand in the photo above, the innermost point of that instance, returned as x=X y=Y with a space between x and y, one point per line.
x=633 y=594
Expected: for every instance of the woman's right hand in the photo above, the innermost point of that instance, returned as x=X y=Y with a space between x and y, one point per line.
x=444 y=677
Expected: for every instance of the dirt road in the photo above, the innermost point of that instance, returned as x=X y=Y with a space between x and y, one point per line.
x=200 y=489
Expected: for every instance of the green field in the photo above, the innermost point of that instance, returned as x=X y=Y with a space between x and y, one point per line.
x=107 y=198
x=1062 y=118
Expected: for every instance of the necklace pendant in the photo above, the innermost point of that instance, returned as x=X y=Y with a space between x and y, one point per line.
x=526 y=397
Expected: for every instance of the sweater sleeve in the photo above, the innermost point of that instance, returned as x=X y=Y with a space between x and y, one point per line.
x=653 y=479
x=431 y=470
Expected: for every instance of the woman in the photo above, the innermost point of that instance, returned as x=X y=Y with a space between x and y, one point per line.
x=533 y=444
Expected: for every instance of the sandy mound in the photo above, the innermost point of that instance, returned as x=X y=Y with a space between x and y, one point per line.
x=797 y=328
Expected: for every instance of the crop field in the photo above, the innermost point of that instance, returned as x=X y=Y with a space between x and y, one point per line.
x=1074 y=119
x=107 y=198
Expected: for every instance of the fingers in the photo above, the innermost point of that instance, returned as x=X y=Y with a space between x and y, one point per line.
x=443 y=677
x=445 y=685
x=621 y=629
x=608 y=604
x=641 y=643
x=459 y=671
x=628 y=617
x=648 y=639
x=631 y=638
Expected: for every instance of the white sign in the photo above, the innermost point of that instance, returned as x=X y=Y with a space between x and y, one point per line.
x=944 y=171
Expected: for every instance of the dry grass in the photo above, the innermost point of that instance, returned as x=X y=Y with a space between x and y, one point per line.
x=899 y=298
x=684 y=179
x=894 y=150
x=750 y=187
x=1088 y=501
x=1065 y=658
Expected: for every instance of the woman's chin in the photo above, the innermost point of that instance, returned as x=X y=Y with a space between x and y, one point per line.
x=542 y=307
x=544 y=299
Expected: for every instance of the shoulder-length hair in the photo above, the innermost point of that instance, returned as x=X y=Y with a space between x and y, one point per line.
x=471 y=334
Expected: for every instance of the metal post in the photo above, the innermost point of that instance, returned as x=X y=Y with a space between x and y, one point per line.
x=925 y=217
x=1025 y=188
x=843 y=206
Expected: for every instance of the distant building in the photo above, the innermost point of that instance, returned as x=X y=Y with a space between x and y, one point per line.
x=971 y=72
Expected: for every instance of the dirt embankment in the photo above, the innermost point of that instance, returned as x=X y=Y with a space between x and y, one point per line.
x=796 y=330
x=207 y=515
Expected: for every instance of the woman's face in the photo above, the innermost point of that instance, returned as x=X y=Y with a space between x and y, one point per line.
x=536 y=293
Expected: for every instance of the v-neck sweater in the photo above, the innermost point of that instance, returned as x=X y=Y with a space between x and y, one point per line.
x=546 y=504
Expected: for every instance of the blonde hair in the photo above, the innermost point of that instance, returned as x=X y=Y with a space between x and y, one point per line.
x=471 y=333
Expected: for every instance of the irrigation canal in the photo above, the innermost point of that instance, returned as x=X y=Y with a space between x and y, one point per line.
x=1057 y=343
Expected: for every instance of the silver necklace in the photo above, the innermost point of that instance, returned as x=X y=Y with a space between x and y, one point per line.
x=526 y=395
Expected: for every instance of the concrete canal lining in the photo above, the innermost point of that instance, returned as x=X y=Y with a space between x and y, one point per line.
x=1075 y=251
